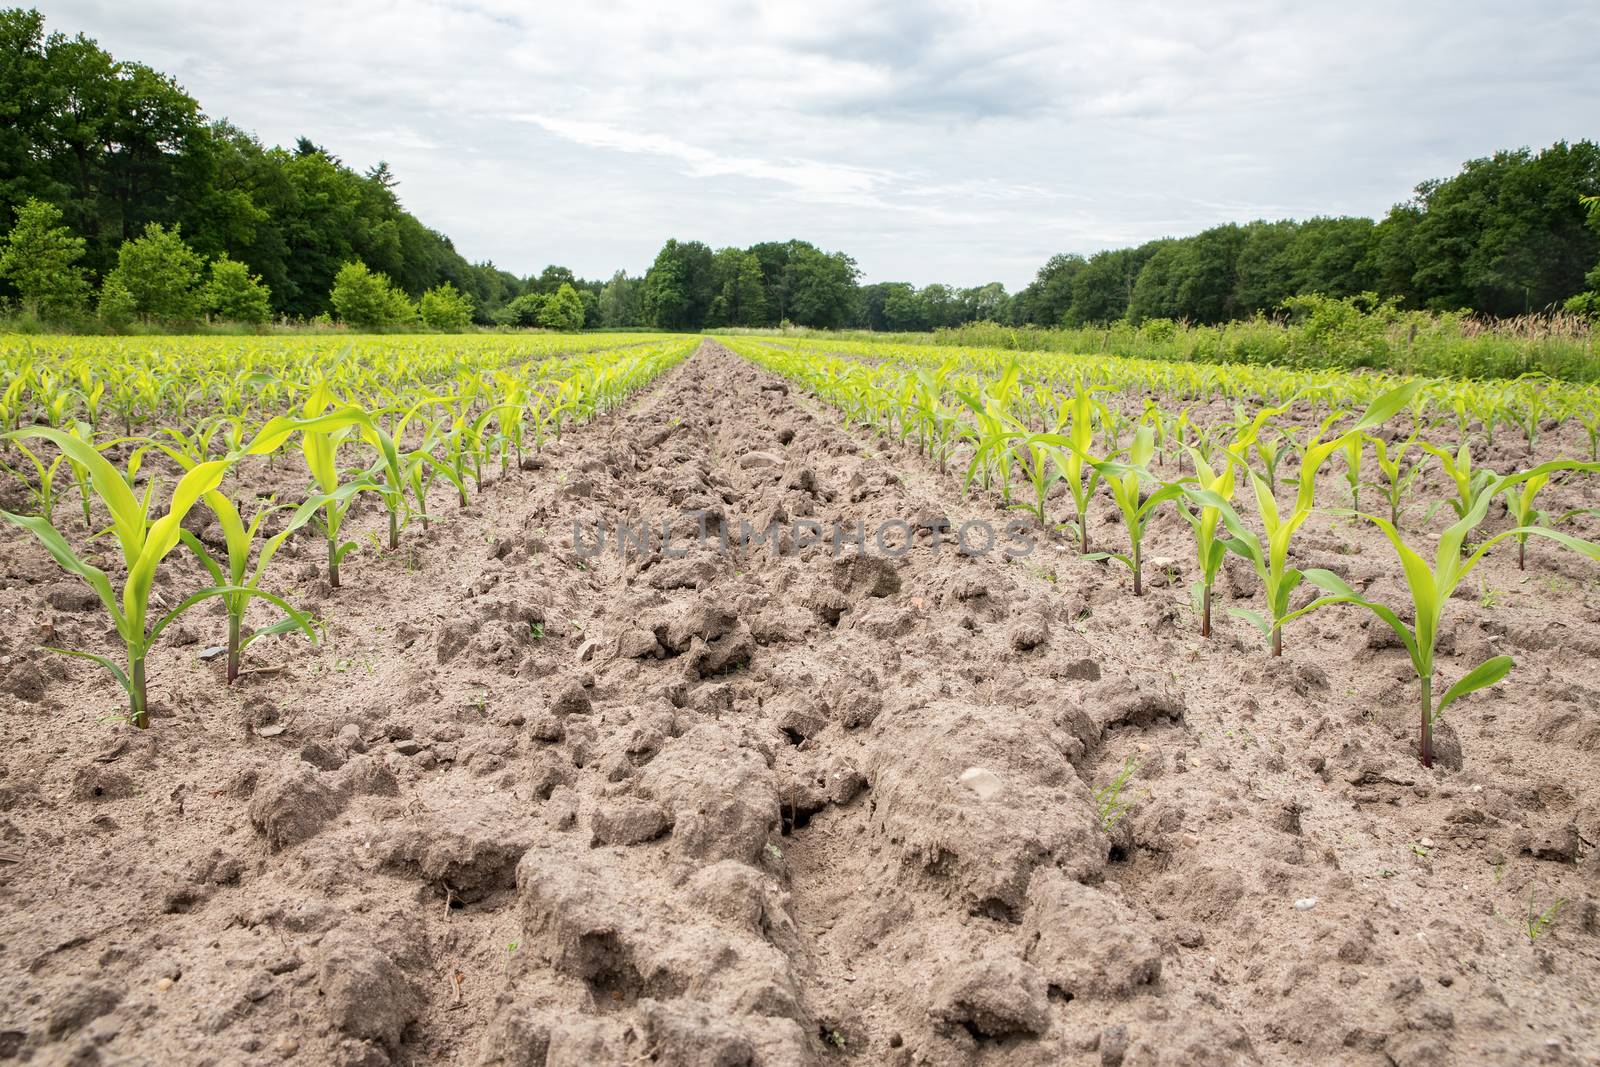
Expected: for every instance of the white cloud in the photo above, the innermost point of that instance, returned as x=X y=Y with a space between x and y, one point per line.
x=957 y=141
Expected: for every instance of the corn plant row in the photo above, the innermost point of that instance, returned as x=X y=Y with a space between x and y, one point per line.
x=361 y=437
x=1025 y=436
x=1521 y=407
x=173 y=381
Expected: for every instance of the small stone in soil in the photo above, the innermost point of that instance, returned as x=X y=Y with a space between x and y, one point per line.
x=982 y=781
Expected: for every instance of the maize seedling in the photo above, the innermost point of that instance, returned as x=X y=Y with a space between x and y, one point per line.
x=1520 y=504
x=1430 y=590
x=1271 y=559
x=144 y=544
x=235 y=572
x=1124 y=479
x=1397 y=476
x=320 y=438
x=1209 y=548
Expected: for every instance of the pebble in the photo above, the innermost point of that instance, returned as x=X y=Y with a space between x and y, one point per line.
x=1305 y=903
x=982 y=781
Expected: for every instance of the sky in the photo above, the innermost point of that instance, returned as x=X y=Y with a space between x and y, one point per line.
x=936 y=141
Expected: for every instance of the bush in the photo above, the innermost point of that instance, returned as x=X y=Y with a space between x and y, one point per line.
x=160 y=274
x=233 y=293
x=117 y=307
x=523 y=311
x=563 y=311
x=445 y=307
x=367 y=300
x=40 y=257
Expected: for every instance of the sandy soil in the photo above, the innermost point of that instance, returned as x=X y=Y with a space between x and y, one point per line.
x=530 y=807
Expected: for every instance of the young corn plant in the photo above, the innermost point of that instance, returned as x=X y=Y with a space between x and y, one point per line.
x=144 y=541
x=1271 y=450
x=1430 y=589
x=41 y=488
x=234 y=572
x=1077 y=464
x=1354 y=447
x=992 y=423
x=1038 y=456
x=320 y=439
x=1520 y=503
x=423 y=468
x=1124 y=481
x=389 y=473
x=1210 y=549
x=1270 y=558
x=1398 y=476
x=1471 y=483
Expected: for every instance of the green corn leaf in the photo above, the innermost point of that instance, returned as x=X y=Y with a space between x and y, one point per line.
x=116 y=671
x=1255 y=618
x=1485 y=674
x=63 y=554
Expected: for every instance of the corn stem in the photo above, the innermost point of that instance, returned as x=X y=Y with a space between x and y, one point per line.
x=234 y=651
x=138 y=699
x=1427 y=720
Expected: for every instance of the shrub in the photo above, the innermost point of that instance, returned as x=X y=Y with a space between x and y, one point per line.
x=523 y=311
x=233 y=293
x=117 y=308
x=563 y=311
x=367 y=300
x=40 y=257
x=160 y=273
x=445 y=307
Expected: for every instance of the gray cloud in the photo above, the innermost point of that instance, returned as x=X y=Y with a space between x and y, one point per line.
x=953 y=141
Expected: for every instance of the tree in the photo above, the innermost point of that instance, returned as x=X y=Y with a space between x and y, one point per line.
x=117 y=145
x=739 y=296
x=563 y=311
x=1102 y=290
x=821 y=287
x=984 y=303
x=1048 y=297
x=444 y=307
x=678 y=286
x=622 y=301
x=1587 y=303
x=40 y=257
x=116 y=307
x=161 y=274
x=233 y=293
x=666 y=294
x=367 y=300
x=902 y=308
x=552 y=278
x=1504 y=236
x=524 y=310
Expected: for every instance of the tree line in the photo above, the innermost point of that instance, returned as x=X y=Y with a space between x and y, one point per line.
x=1508 y=235
x=122 y=200
x=1514 y=233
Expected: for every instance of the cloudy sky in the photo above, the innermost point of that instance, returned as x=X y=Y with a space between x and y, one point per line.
x=938 y=141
